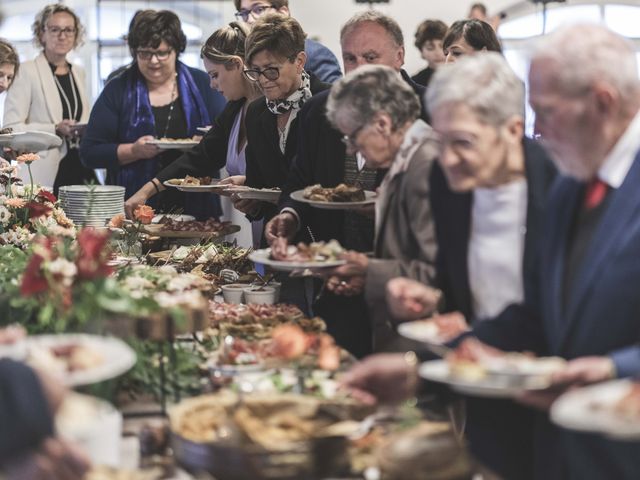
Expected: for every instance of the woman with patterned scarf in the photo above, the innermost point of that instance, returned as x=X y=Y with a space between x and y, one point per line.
x=275 y=60
x=157 y=96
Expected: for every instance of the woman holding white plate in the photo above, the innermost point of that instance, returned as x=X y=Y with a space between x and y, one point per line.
x=49 y=95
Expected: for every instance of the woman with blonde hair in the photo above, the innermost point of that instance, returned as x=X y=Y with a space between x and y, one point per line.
x=49 y=95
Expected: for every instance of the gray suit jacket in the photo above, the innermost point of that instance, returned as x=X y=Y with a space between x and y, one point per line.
x=406 y=244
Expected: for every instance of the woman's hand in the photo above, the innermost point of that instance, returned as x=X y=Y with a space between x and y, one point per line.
x=143 y=150
x=64 y=128
x=409 y=300
x=139 y=198
x=282 y=225
x=234 y=180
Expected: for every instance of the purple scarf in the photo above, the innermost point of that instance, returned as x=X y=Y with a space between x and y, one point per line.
x=138 y=121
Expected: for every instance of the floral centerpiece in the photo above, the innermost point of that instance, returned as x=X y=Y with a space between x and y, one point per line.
x=26 y=210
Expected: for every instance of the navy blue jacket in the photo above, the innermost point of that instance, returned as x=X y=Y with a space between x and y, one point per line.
x=25 y=416
x=600 y=318
x=500 y=433
x=321 y=62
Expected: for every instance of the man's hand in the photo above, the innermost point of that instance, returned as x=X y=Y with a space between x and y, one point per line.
x=578 y=372
x=284 y=225
x=410 y=300
x=54 y=460
x=248 y=207
x=381 y=378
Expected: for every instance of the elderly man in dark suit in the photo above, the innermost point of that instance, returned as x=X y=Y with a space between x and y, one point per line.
x=366 y=38
x=583 y=305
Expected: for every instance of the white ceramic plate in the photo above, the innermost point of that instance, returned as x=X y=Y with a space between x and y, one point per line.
x=172 y=216
x=271 y=195
x=82 y=190
x=263 y=256
x=204 y=129
x=30 y=141
x=424 y=331
x=164 y=145
x=198 y=188
x=370 y=198
x=492 y=387
x=589 y=409
x=117 y=356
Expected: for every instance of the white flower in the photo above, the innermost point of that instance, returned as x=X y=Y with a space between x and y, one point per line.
x=65 y=268
x=190 y=298
x=18 y=190
x=137 y=283
x=18 y=236
x=168 y=269
x=5 y=215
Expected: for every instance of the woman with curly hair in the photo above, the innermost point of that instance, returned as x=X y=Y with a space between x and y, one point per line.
x=49 y=95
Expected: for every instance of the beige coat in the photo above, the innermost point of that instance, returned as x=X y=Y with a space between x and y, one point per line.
x=33 y=103
x=405 y=245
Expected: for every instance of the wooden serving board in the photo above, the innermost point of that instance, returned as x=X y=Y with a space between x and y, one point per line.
x=157 y=230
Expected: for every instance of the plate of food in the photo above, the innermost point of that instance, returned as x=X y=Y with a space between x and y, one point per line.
x=80 y=359
x=174 y=143
x=340 y=197
x=610 y=408
x=211 y=228
x=288 y=258
x=479 y=370
x=13 y=342
x=271 y=195
x=195 y=184
x=30 y=141
x=436 y=330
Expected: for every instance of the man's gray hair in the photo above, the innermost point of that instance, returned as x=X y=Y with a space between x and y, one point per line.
x=369 y=90
x=484 y=82
x=587 y=53
x=374 y=16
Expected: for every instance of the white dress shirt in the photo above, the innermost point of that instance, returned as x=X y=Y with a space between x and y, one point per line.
x=496 y=247
x=615 y=167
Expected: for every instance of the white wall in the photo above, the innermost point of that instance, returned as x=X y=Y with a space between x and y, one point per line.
x=323 y=18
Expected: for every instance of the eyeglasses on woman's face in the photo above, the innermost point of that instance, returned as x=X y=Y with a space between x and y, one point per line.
x=350 y=140
x=254 y=12
x=147 y=55
x=270 y=73
x=57 y=31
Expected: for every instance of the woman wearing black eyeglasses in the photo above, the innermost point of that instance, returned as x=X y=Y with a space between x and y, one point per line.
x=49 y=95
x=275 y=57
x=156 y=97
x=224 y=145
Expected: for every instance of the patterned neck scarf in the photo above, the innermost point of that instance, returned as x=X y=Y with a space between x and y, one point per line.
x=295 y=101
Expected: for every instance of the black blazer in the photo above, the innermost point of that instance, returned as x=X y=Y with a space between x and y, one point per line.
x=500 y=432
x=25 y=416
x=210 y=154
x=267 y=166
x=320 y=159
x=452 y=214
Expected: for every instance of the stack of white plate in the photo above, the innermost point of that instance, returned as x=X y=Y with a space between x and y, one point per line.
x=91 y=206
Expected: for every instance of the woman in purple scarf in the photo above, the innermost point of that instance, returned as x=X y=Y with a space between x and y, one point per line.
x=157 y=96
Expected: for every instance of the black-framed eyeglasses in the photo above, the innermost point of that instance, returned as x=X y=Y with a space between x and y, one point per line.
x=254 y=12
x=270 y=73
x=147 y=55
x=56 y=31
x=350 y=140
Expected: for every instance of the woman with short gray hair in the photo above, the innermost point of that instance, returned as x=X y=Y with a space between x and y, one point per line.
x=378 y=113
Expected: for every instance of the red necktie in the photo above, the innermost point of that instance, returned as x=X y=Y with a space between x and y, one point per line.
x=594 y=193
